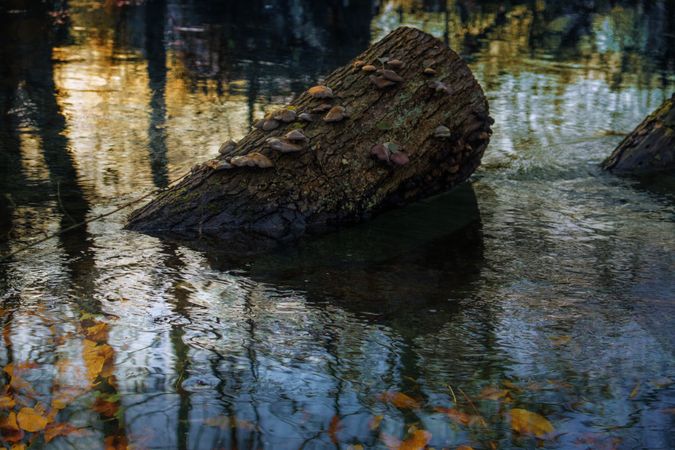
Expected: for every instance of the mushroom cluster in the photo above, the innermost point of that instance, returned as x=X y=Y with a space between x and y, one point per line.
x=253 y=159
x=390 y=152
x=292 y=142
x=386 y=76
x=442 y=131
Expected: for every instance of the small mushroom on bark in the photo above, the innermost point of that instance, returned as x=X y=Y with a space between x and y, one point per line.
x=395 y=63
x=253 y=159
x=381 y=82
x=216 y=165
x=322 y=108
x=428 y=71
x=320 y=91
x=296 y=135
x=439 y=86
x=442 y=131
x=336 y=114
x=399 y=158
x=227 y=147
x=283 y=145
x=380 y=152
x=270 y=124
x=358 y=64
x=369 y=68
x=392 y=76
x=306 y=117
x=284 y=115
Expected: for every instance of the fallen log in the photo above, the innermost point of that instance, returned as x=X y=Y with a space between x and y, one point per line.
x=405 y=120
x=650 y=147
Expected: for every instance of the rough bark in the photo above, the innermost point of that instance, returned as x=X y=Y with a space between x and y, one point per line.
x=334 y=179
x=650 y=147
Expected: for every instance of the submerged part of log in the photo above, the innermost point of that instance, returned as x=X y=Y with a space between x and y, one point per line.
x=369 y=146
x=650 y=148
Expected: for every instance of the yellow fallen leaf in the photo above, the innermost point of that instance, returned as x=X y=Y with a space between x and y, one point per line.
x=19 y=446
x=375 y=422
x=97 y=332
x=455 y=415
x=527 y=422
x=31 y=420
x=418 y=440
x=635 y=390
x=400 y=400
x=6 y=401
x=9 y=429
x=95 y=356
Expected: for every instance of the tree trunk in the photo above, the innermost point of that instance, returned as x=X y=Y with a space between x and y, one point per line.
x=335 y=178
x=650 y=147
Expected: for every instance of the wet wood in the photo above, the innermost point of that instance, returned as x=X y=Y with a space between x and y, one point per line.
x=335 y=179
x=650 y=148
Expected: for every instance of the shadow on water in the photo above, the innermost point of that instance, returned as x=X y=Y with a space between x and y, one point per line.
x=413 y=259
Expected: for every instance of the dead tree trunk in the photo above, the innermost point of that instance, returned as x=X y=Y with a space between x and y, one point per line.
x=401 y=141
x=650 y=147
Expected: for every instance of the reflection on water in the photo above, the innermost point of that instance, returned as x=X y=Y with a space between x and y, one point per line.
x=544 y=280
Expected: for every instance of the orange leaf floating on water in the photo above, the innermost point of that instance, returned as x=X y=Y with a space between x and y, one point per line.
x=95 y=357
x=31 y=420
x=97 y=332
x=54 y=430
x=455 y=415
x=527 y=422
x=333 y=429
x=375 y=422
x=493 y=393
x=105 y=408
x=400 y=400
x=116 y=442
x=418 y=440
x=9 y=428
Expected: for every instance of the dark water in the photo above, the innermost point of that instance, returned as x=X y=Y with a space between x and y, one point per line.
x=542 y=276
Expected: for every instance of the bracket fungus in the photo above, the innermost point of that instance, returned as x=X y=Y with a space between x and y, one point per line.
x=320 y=91
x=358 y=64
x=439 y=86
x=227 y=147
x=253 y=159
x=428 y=71
x=306 y=117
x=381 y=82
x=369 y=68
x=380 y=152
x=283 y=145
x=392 y=76
x=336 y=114
x=442 y=131
x=395 y=63
x=217 y=165
x=322 y=108
x=390 y=152
x=284 y=115
x=296 y=135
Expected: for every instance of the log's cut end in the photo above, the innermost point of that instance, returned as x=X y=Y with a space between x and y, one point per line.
x=404 y=120
x=650 y=148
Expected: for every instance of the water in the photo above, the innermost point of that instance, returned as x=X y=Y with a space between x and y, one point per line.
x=542 y=276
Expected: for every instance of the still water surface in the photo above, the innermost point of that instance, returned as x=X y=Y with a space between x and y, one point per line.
x=542 y=277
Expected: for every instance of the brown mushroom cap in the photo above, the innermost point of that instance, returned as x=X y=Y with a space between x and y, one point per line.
x=336 y=114
x=284 y=115
x=380 y=82
x=216 y=165
x=391 y=75
x=429 y=71
x=283 y=145
x=227 y=147
x=358 y=64
x=322 y=108
x=395 y=63
x=442 y=131
x=439 y=87
x=253 y=159
x=369 y=68
x=306 y=117
x=320 y=91
x=296 y=135
x=270 y=124
x=259 y=124
x=399 y=158
x=380 y=152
